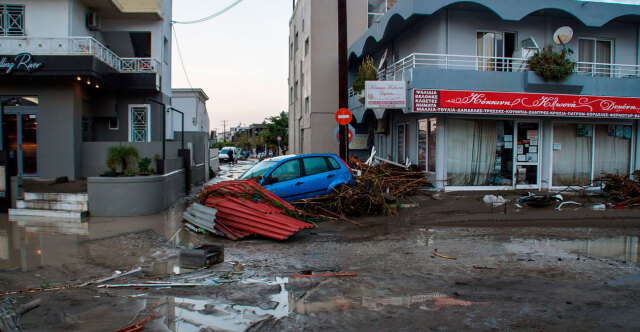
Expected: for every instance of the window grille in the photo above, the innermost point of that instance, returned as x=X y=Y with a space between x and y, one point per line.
x=11 y=20
x=139 y=122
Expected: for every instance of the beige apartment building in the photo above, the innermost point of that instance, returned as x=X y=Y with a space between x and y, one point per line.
x=313 y=68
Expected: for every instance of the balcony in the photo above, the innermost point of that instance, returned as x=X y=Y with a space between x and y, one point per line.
x=500 y=74
x=77 y=46
x=498 y=64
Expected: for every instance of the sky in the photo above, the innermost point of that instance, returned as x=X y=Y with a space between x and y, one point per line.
x=240 y=58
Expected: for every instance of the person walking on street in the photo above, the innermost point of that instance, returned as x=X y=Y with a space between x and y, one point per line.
x=230 y=155
x=370 y=142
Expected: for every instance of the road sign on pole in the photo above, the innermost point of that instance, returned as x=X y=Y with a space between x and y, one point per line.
x=350 y=133
x=343 y=116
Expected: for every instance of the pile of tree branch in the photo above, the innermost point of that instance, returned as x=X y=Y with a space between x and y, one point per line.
x=621 y=188
x=375 y=192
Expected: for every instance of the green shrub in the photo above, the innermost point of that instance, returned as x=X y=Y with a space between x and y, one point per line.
x=143 y=165
x=121 y=156
x=130 y=172
x=110 y=173
x=552 y=65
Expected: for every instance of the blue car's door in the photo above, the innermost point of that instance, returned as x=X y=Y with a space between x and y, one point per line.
x=288 y=183
x=318 y=176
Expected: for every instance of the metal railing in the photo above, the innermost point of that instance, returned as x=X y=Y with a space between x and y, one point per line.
x=77 y=46
x=485 y=63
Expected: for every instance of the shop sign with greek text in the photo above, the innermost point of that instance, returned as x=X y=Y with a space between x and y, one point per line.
x=509 y=103
x=385 y=94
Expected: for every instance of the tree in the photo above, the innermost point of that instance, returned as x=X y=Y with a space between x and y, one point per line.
x=276 y=126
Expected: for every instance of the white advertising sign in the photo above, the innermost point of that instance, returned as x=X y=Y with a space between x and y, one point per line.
x=385 y=94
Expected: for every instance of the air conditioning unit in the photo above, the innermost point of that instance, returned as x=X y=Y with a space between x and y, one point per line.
x=381 y=126
x=93 y=21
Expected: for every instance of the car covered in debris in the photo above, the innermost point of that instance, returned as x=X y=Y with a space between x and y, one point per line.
x=294 y=177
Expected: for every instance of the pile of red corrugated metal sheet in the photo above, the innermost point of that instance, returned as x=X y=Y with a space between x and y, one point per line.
x=238 y=208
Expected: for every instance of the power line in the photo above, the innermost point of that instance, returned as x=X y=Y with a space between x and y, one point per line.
x=175 y=36
x=210 y=16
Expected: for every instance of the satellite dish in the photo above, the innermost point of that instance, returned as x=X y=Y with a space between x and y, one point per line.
x=563 y=35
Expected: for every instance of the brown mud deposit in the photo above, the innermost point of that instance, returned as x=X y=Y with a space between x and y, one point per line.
x=532 y=269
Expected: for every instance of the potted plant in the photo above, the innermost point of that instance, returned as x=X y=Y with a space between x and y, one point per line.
x=121 y=156
x=366 y=72
x=552 y=64
x=143 y=166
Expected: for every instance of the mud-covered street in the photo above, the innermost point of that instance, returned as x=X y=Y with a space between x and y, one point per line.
x=580 y=274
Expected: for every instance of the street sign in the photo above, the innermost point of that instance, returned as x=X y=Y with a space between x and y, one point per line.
x=279 y=138
x=343 y=116
x=350 y=134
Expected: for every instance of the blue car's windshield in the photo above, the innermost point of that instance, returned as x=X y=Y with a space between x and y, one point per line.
x=258 y=170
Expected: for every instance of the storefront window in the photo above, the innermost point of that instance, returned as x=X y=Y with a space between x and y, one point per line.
x=612 y=149
x=572 y=154
x=479 y=152
x=578 y=146
x=403 y=143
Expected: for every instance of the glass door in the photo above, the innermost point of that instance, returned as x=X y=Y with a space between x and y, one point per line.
x=527 y=152
x=21 y=139
x=427 y=144
x=28 y=152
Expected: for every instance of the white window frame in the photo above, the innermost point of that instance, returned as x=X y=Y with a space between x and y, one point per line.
x=632 y=154
x=148 y=124
x=593 y=69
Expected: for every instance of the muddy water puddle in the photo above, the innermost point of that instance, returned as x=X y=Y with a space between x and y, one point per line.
x=294 y=297
x=624 y=248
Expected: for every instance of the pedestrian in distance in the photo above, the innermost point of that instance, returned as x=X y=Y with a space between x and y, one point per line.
x=230 y=155
x=370 y=142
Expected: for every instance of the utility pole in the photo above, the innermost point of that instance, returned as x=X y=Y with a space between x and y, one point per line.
x=224 y=130
x=343 y=97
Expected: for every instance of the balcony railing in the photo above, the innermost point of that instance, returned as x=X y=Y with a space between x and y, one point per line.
x=77 y=46
x=485 y=63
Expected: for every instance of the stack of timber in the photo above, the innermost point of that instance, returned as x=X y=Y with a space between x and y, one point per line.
x=239 y=208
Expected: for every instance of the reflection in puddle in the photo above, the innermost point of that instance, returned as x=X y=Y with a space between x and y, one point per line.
x=621 y=248
x=187 y=314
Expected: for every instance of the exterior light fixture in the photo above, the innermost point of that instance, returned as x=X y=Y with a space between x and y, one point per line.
x=97 y=86
x=88 y=82
x=79 y=78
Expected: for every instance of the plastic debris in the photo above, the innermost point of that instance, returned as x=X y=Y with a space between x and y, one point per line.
x=598 y=207
x=559 y=208
x=137 y=326
x=494 y=200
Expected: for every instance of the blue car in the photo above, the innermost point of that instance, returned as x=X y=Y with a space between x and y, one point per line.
x=294 y=177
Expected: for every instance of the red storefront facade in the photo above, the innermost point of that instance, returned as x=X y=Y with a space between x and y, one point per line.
x=503 y=140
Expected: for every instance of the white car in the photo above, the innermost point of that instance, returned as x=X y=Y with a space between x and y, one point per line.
x=223 y=156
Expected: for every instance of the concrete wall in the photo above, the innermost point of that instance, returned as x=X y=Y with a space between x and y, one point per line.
x=94 y=155
x=134 y=196
x=317 y=72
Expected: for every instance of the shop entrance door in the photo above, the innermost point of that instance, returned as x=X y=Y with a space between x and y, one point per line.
x=526 y=172
x=20 y=127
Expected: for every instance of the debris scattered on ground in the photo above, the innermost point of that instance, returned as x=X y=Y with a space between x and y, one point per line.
x=137 y=326
x=204 y=255
x=157 y=284
x=118 y=274
x=239 y=208
x=559 y=208
x=494 y=200
x=539 y=200
x=435 y=252
x=10 y=312
x=483 y=267
x=346 y=274
x=621 y=188
x=376 y=192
